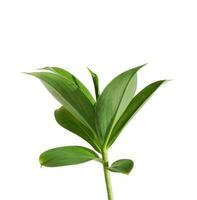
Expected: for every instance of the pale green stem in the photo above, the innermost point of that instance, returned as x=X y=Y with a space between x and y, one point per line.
x=107 y=175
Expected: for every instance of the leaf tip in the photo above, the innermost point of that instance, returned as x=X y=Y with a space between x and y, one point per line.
x=143 y=65
x=88 y=69
x=44 y=68
x=28 y=73
x=139 y=67
x=91 y=72
x=165 y=81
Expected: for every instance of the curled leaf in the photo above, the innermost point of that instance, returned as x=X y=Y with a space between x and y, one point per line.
x=96 y=83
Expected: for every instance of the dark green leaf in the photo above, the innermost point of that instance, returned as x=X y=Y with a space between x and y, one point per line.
x=69 y=122
x=73 y=79
x=122 y=166
x=70 y=96
x=114 y=100
x=69 y=155
x=135 y=104
x=96 y=83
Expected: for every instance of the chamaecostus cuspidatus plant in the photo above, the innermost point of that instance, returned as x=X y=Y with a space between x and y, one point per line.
x=99 y=121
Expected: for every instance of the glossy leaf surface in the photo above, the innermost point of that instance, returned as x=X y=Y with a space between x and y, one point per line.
x=70 y=96
x=134 y=106
x=114 y=100
x=68 y=155
x=99 y=123
x=96 y=83
x=73 y=79
x=122 y=166
x=69 y=122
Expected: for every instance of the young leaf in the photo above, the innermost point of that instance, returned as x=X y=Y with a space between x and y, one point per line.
x=69 y=95
x=135 y=104
x=96 y=83
x=68 y=155
x=73 y=79
x=122 y=166
x=69 y=122
x=114 y=100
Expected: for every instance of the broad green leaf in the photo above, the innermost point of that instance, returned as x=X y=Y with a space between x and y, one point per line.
x=71 y=123
x=96 y=83
x=122 y=166
x=135 y=104
x=72 y=78
x=68 y=155
x=69 y=95
x=114 y=100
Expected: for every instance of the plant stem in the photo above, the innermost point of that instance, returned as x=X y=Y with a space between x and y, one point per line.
x=107 y=175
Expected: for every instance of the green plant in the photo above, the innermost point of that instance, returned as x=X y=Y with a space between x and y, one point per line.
x=99 y=121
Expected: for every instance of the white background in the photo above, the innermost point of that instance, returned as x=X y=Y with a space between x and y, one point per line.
x=109 y=37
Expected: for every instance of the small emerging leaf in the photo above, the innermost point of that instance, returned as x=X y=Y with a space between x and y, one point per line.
x=122 y=166
x=96 y=83
x=68 y=155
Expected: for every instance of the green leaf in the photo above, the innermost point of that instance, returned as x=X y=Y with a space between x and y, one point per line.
x=68 y=155
x=71 y=123
x=70 y=96
x=96 y=83
x=72 y=78
x=114 y=100
x=135 y=104
x=122 y=166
